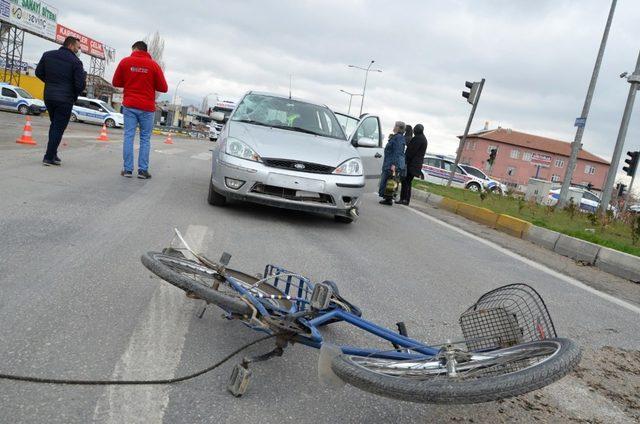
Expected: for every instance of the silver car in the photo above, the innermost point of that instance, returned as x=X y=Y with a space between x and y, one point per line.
x=294 y=154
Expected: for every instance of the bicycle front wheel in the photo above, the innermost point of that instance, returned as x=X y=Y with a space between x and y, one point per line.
x=478 y=377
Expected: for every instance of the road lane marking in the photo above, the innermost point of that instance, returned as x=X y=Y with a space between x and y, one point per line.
x=202 y=156
x=170 y=151
x=154 y=351
x=629 y=306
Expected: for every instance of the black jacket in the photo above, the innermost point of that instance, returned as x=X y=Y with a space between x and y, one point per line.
x=414 y=155
x=63 y=75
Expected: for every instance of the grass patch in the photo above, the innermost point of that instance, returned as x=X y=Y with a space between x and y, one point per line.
x=615 y=235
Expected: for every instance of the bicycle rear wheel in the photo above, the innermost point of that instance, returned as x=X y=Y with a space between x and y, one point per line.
x=480 y=377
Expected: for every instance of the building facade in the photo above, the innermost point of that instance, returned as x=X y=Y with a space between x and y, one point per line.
x=521 y=156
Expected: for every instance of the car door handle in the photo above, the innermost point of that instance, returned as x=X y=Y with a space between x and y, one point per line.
x=378 y=155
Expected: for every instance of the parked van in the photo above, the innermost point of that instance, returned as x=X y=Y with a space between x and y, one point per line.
x=19 y=100
x=95 y=111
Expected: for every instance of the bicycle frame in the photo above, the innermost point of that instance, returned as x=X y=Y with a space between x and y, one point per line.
x=411 y=349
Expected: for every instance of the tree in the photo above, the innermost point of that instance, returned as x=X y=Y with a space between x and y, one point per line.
x=155 y=45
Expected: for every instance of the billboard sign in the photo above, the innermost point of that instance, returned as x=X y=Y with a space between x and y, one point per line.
x=34 y=16
x=541 y=160
x=87 y=45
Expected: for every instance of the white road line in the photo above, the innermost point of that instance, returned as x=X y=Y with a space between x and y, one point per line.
x=631 y=307
x=202 y=156
x=154 y=351
x=170 y=151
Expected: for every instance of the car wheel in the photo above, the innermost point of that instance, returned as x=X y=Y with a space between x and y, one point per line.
x=23 y=109
x=343 y=219
x=214 y=198
x=110 y=123
x=474 y=187
x=73 y=118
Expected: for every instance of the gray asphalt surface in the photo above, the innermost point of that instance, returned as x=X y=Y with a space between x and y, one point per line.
x=75 y=301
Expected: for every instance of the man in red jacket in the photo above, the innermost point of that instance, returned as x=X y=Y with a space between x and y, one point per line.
x=141 y=77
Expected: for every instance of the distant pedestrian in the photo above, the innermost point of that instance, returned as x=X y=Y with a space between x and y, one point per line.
x=64 y=80
x=414 y=157
x=141 y=77
x=408 y=134
x=393 y=163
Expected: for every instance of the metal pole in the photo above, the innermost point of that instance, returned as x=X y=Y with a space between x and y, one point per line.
x=366 y=75
x=577 y=142
x=626 y=198
x=466 y=132
x=634 y=79
x=350 y=98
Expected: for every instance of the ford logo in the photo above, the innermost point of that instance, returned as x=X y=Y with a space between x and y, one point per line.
x=299 y=166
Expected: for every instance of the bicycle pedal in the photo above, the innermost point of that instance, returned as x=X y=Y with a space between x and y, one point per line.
x=239 y=380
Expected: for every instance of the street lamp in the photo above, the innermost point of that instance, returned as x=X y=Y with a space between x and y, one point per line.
x=175 y=93
x=366 y=75
x=205 y=98
x=350 y=98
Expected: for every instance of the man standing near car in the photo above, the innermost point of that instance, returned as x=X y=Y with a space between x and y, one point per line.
x=64 y=80
x=414 y=157
x=141 y=77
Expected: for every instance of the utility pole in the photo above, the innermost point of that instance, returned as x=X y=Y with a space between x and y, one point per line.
x=366 y=75
x=634 y=80
x=581 y=121
x=473 y=97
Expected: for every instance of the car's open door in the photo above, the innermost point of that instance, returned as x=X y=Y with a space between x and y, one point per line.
x=367 y=139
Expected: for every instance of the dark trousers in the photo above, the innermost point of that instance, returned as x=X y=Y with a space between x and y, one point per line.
x=59 y=114
x=384 y=177
x=405 y=190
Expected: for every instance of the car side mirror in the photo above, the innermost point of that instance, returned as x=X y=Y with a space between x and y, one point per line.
x=217 y=116
x=367 y=142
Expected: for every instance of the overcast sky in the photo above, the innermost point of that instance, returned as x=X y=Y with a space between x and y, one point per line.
x=537 y=57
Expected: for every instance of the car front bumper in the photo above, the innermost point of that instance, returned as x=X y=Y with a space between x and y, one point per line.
x=320 y=193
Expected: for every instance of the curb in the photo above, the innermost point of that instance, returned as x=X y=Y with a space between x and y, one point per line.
x=612 y=261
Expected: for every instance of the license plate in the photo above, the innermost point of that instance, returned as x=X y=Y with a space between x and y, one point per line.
x=295 y=183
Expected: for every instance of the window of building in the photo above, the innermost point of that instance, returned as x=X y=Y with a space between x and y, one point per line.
x=515 y=154
x=490 y=148
x=472 y=145
x=559 y=163
x=589 y=169
x=555 y=178
x=527 y=156
x=511 y=171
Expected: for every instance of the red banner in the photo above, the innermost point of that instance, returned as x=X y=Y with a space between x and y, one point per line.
x=87 y=45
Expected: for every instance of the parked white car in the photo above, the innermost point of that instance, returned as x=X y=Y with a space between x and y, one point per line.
x=95 y=111
x=19 y=100
x=436 y=169
x=589 y=202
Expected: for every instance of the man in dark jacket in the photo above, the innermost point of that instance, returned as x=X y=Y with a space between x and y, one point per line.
x=141 y=77
x=414 y=157
x=393 y=163
x=64 y=80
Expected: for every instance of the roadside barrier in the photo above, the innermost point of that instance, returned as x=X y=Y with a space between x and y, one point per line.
x=103 y=134
x=26 y=137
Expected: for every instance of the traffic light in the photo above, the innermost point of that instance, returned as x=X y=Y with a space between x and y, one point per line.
x=632 y=163
x=492 y=156
x=620 y=189
x=473 y=91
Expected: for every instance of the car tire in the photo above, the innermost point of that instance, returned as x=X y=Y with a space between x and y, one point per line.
x=23 y=110
x=110 y=123
x=343 y=219
x=215 y=198
x=475 y=187
x=74 y=118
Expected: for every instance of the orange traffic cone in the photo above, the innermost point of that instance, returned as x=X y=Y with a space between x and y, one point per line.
x=103 y=134
x=168 y=140
x=26 y=134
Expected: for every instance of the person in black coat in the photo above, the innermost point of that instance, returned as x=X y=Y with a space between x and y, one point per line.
x=64 y=80
x=414 y=156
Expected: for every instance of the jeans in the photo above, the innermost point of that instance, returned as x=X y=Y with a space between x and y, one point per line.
x=384 y=177
x=59 y=114
x=405 y=191
x=133 y=118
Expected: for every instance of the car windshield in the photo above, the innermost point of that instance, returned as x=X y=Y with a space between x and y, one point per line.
x=288 y=114
x=107 y=106
x=475 y=172
x=23 y=93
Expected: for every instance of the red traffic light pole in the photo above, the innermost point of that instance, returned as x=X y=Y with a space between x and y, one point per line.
x=473 y=97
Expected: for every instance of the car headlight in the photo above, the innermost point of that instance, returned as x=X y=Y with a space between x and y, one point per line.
x=237 y=148
x=352 y=167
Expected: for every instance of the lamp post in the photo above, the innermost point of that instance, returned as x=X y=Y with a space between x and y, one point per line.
x=205 y=102
x=175 y=108
x=366 y=75
x=351 y=95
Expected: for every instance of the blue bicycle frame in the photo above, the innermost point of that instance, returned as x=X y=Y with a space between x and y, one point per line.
x=297 y=290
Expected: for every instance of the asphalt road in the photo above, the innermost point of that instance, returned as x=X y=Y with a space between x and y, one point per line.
x=75 y=301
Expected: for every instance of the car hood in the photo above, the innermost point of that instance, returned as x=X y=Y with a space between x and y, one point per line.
x=284 y=144
x=37 y=102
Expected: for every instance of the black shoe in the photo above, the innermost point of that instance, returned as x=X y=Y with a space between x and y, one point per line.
x=47 y=162
x=127 y=174
x=387 y=202
x=143 y=175
x=57 y=160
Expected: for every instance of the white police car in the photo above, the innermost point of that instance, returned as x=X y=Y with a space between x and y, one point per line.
x=94 y=111
x=18 y=99
x=436 y=170
x=588 y=203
